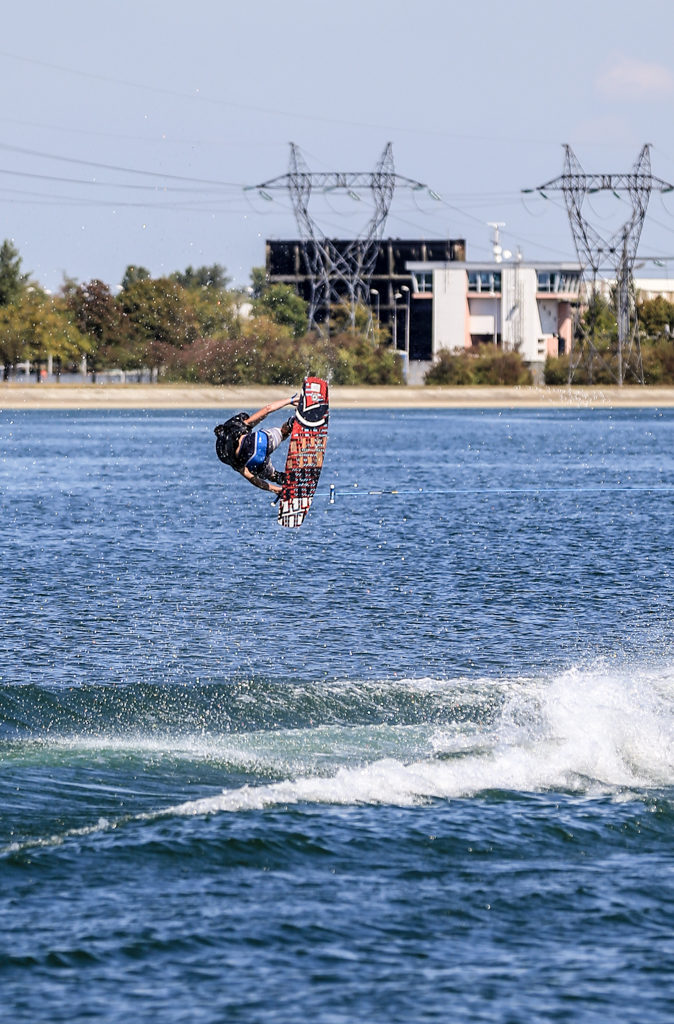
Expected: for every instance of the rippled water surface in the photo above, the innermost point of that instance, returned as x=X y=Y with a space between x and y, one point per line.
x=411 y=762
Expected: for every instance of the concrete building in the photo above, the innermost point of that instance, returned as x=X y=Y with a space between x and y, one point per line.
x=285 y=263
x=644 y=287
x=519 y=305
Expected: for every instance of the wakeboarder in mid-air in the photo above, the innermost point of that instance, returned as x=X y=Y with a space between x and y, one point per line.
x=247 y=450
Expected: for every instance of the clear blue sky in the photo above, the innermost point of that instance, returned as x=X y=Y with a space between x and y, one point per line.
x=477 y=99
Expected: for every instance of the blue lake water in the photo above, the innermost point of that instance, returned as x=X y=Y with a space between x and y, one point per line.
x=411 y=762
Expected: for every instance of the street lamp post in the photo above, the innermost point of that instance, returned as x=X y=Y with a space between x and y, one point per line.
x=404 y=288
x=373 y=291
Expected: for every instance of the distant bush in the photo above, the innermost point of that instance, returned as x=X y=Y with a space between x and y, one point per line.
x=658 y=362
x=556 y=370
x=487 y=364
x=354 y=359
x=450 y=368
x=601 y=371
x=267 y=353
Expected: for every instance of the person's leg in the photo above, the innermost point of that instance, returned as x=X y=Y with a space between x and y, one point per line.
x=274 y=437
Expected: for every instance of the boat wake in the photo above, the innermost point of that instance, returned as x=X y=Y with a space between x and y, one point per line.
x=595 y=733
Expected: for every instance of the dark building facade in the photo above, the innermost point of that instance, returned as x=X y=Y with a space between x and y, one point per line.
x=285 y=264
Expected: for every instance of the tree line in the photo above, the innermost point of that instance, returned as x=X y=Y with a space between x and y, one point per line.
x=192 y=326
x=187 y=326
x=596 y=342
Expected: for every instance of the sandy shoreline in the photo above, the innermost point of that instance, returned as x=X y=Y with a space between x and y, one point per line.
x=187 y=396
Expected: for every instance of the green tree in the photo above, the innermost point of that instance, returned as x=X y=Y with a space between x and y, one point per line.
x=267 y=353
x=599 y=320
x=161 y=320
x=357 y=359
x=258 y=277
x=13 y=344
x=133 y=274
x=656 y=317
x=39 y=326
x=98 y=315
x=284 y=306
x=658 y=362
x=597 y=334
x=216 y=312
x=264 y=352
x=340 y=318
x=12 y=281
x=270 y=354
x=214 y=276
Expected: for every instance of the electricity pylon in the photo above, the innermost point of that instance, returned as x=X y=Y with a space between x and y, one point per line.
x=339 y=273
x=616 y=252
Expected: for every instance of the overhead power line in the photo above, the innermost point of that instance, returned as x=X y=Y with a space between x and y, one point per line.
x=117 y=167
x=159 y=189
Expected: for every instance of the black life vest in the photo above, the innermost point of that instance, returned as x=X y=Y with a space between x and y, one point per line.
x=227 y=437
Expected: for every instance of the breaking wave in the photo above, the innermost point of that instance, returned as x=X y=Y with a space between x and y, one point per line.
x=590 y=732
x=594 y=732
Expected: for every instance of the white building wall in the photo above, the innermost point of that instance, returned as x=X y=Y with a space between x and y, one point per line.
x=450 y=289
x=482 y=324
x=645 y=287
x=485 y=314
x=520 y=315
x=547 y=311
x=519 y=286
x=511 y=306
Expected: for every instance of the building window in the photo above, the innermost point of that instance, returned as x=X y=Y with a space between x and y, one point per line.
x=556 y=281
x=423 y=281
x=570 y=283
x=484 y=281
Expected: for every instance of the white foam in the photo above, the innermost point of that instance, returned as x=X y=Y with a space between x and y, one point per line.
x=597 y=731
x=594 y=732
x=270 y=751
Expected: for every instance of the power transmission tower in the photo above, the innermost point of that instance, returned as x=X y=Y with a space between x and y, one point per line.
x=615 y=252
x=339 y=273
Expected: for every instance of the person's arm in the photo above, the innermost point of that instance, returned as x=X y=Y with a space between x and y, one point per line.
x=264 y=485
x=261 y=414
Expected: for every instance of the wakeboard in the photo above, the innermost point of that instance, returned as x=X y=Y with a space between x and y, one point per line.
x=306 y=450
